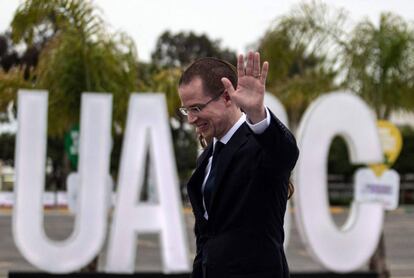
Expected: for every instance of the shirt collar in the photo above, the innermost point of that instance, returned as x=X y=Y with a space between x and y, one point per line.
x=226 y=138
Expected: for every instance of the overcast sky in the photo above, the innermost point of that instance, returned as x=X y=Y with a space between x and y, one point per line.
x=237 y=23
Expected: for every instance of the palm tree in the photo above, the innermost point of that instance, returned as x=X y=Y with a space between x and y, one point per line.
x=78 y=55
x=298 y=52
x=379 y=64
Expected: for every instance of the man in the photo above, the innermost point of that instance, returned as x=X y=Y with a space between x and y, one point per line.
x=239 y=189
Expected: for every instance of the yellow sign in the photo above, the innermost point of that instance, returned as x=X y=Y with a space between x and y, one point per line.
x=391 y=143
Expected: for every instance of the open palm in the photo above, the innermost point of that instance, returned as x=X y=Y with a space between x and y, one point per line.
x=249 y=94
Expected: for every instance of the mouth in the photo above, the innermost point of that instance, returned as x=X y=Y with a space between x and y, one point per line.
x=202 y=127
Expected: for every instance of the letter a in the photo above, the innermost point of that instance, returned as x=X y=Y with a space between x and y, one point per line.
x=147 y=121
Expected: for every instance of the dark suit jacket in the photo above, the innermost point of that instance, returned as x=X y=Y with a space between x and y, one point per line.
x=244 y=235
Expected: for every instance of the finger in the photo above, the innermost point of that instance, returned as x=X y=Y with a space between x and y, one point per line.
x=256 y=64
x=249 y=66
x=265 y=70
x=228 y=86
x=240 y=66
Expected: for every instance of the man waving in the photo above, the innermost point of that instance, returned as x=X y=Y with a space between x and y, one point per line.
x=240 y=187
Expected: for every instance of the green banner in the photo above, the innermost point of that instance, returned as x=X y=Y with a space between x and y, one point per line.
x=72 y=145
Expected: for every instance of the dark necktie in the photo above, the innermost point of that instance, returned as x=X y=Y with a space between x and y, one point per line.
x=210 y=183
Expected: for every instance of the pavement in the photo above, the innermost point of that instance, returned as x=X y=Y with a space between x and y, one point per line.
x=398 y=231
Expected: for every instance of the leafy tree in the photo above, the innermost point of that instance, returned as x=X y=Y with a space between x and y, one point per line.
x=379 y=64
x=166 y=81
x=78 y=56
x=178 y=50
x=145 y=72
x=8 y=56
x=11 y=58
x=10 y=82
x=15 y=69
x=301 y=68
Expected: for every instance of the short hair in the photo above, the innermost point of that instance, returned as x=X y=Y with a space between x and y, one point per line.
x=210 y=70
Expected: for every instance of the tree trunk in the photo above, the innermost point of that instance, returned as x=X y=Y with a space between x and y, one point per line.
x=378 y=261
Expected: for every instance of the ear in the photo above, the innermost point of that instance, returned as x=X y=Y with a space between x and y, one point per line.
x=227 y=97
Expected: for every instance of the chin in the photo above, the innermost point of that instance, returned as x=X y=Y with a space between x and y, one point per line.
x=208 y=137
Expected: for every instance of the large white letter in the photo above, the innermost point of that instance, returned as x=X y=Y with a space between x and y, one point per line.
x=89 y=233
x=348 y=248
x=276 y=107
x=147 y=125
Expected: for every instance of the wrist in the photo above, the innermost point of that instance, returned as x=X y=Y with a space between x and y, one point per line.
x=256 y=116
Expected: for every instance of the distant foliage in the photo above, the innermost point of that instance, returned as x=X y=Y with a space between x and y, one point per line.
x=300 y=68
x=178 y=50
x=77 y=55
x=379 y=64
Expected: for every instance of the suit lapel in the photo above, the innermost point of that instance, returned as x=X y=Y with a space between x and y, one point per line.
x=196 y=180
x=237 y=140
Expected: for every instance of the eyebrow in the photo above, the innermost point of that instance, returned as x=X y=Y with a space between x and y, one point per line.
x=192 y=105
x=196 y=104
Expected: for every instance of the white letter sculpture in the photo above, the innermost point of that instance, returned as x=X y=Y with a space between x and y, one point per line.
x=348 y=248
x=147 y=125
x=88 y=236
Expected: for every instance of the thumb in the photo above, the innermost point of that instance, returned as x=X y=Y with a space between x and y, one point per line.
x=228 y=86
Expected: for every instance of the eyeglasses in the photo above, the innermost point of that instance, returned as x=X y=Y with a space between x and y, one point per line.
x=198 y=107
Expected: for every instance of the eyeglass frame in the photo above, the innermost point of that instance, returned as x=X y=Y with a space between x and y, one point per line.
x=194 y=109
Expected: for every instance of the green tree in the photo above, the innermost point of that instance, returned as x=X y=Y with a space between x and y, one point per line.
x=10 y=82
x=8 y=55
x=178 y=50
x=166 y=81
x=379 y=64
x=79 y=55
x=76 y=55
x=301 y=68
x=15 y=69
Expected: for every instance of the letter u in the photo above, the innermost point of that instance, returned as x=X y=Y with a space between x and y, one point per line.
x=88 y=235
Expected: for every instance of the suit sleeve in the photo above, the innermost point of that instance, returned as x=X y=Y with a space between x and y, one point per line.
x=197 y=264
x=279 y=144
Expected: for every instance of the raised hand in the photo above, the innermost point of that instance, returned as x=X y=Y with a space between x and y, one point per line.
x=249 y=94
